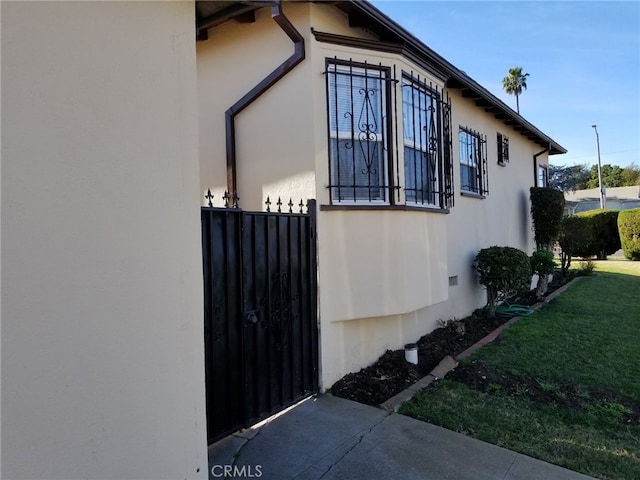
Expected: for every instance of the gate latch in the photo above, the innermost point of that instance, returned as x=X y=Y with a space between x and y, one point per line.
x=250 y=317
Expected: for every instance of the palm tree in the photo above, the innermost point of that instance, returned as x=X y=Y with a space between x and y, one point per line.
x=514 y=83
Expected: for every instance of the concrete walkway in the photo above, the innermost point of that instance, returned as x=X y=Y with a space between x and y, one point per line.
x=330 y=438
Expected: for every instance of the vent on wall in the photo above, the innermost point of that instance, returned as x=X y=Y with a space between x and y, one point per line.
x=453 y=281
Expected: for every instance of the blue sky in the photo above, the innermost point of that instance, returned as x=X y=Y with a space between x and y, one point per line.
x=583 y=59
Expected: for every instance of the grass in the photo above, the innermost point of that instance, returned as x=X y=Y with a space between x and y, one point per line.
x=585 y=345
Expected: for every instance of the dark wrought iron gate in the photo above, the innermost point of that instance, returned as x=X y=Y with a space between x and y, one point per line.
x=260 y=323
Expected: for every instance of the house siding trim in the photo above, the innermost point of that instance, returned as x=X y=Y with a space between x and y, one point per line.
x=378 y=46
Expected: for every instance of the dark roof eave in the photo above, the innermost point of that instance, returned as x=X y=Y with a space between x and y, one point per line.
x=392 y=32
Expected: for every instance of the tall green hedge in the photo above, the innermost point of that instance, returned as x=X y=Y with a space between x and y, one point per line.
x=601 y=233
x=547 y=209
x=629 y=228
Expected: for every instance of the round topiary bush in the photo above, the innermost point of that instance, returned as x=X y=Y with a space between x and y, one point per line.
x=505 y=272
x=547 y=209
x=629 y=228
x=575 y=234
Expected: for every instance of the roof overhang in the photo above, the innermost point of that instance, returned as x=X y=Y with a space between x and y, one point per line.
x=392 y=38
x=210 y=14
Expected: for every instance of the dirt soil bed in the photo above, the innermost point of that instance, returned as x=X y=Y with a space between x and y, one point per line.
x=391 y=374
x=480 y=376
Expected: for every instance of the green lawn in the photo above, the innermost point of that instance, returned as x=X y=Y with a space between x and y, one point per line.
x=567 y=381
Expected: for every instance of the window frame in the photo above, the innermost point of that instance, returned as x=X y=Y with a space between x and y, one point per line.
x=503 y=149
x=542 y=176
x=381 y=76
x=480 y=188
x=430 y=145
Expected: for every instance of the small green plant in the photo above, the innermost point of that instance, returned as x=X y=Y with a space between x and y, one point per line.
x=609 y=409
x=586 y=268
x=454 y=324
x=505 y=272
x=548 y=386
x=494 y=389
x=543 y=265
x=629 y=229
x=583 y=394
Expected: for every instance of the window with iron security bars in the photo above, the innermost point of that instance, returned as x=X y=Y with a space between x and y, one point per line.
x=427 y=144
x=473 y=162
x=361 y=99
x=358 y=106
x=503 y=149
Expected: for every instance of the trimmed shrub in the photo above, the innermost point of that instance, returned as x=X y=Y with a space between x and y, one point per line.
x=629 y=228
x=505 y=272
x=542 y=263
x=585 y=269
x=547 y=209
x=601 y=233
x=575 y=232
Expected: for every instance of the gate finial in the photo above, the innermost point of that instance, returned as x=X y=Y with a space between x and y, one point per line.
x=209 y=196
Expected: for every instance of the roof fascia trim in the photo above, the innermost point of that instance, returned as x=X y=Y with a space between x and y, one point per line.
x=379 y=46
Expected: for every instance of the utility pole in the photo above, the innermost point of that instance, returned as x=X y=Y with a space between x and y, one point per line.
x=602 y=199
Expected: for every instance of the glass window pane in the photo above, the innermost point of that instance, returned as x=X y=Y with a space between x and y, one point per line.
x=356 y=113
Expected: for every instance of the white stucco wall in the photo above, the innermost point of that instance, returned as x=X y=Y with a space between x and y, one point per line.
x=102 y=337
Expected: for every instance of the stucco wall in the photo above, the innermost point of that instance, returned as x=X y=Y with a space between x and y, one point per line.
x=503 y=217
x=102 y=337
x=383 y=275
x=383 y=278
x=273 y=134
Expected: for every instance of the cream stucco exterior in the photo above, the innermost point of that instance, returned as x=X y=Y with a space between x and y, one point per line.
x=102 y=335
x=113 y=129
x=383 y=274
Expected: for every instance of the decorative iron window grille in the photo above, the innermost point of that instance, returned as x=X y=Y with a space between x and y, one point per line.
x=473 y=162
x=503 y=149
x=447 y=156
x=358 y=106
x=427 y=144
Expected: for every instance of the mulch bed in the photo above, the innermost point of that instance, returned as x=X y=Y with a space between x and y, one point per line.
x=391 y=374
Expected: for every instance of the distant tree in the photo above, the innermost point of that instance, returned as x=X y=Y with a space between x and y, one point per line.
x=611 y=176
x=570 y=178
x=631 y=175
x=514 y=83
x=615 y=176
